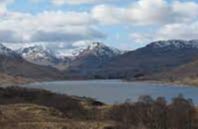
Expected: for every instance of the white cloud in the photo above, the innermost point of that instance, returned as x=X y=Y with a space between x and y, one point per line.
x=108 y=14
x=147 y=12
x=3 y=6
x=140 y=12
x=75 y=2
x=167 y=20
x=140 y=38
x=50 y=26
x=184 y=31
x=188 y=10
x=177 y=19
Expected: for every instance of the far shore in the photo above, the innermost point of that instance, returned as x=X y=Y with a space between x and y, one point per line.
x=163 y=82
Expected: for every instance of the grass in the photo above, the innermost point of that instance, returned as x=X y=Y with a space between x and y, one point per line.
x=29 y=116
x=6 y=80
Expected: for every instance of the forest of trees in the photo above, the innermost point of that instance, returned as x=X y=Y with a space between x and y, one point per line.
x=147 y=113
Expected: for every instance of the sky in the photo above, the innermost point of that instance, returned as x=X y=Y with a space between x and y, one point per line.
x=123 y=24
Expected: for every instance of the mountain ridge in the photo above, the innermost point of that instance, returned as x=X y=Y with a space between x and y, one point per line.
x=155 y=57
x=98 y=61
x=174 y=43
x=185 y=74
x=12 y=64
x=44 y=56
x=90 y=60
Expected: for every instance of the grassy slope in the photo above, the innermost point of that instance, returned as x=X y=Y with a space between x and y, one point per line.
x=185 y=74
x=28 y=116
x=7 y=80
x=22 y=108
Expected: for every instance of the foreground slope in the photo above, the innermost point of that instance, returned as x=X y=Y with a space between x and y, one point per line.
x=22 y=108
x=39 y=109
x=28 y=116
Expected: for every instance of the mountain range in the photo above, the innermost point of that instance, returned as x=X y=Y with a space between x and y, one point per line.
x=81 y=62
x=160 y=60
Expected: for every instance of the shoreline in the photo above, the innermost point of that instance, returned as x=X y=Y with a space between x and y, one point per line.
x=20 y=81
x=167 y=83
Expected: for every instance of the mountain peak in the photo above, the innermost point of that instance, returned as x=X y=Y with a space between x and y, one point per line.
x=37 y=51
x=93 y=45
x=38 y=54
x=98 y=49
x=35 y=48
x=8 y=52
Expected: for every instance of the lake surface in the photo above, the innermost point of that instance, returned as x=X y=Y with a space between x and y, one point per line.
x=117 y=91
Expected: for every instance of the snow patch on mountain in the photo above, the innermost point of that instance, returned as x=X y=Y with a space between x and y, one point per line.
x=97 y=49
x=40 y=55
x=175 y=44
x=79 y=48
x=36 y=52
x=43 y=55
x=4 y=51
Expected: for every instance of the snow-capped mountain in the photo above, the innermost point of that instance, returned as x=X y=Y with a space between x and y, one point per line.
x=79 y=48
x=92 y=58
x=43 y=56
x=97 y=49
x=12 y=64
x=174 y=44
x=156 y=57
x=38 y=54
x=79 y=52
x=4 y=51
